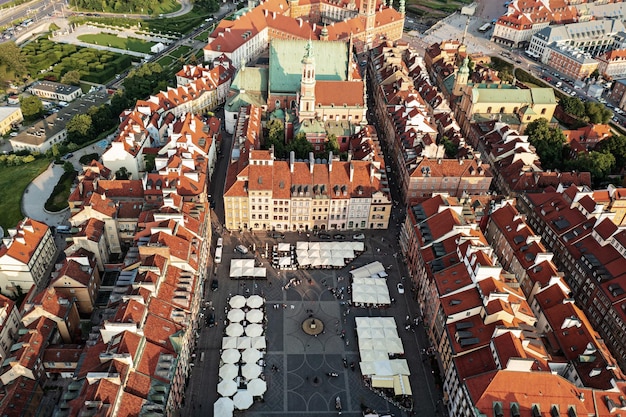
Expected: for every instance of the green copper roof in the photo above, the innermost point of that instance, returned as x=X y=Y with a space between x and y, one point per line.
x=250 y=79
x=543 y=95
x=483 y=94
x=243 y=99
x=331 y=63
x=310 y=126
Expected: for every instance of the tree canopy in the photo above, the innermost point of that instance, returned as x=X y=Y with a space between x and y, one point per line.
x=145 y=80
x=12 y=64
x=301 y=146
x=80 y=128
x=616 y=146
x=71 y=78
x=548 y=143
x=31 y=106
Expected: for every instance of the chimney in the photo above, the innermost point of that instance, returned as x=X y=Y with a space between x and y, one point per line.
x=314 y=27
x=372 y=171
x=311 y=162
x=349 y=155
x=300 y=22
x=351 y=171
x=330 y=162
x=292 y=161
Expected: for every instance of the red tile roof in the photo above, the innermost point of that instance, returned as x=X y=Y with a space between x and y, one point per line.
x=24 y=243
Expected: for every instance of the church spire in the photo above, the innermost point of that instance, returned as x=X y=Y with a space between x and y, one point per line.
x=401 y=9
x=307 y=84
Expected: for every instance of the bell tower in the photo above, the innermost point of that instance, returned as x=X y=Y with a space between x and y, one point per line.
x=307 y=84
x=368 y=10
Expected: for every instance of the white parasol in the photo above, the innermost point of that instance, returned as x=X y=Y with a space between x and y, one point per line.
x=254 y=330
x=223 y=407
x=231 y=356
x=229 y=342
x=243 y=400
x=238 y=301
x=251 y=371
x=228 y=371
x=251 y=356
x=234 y=329
x=254 y=316
x=257 y=387
x=227 y=388
x=243 y=342
x=255 y=301
x=236 y=315
x=258 y=342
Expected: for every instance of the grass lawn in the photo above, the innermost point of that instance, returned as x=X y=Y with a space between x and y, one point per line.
x=204 y=35
x=180 y=51
x=129 y=44
x=13 y=182
x=165 y=61
x=165 y=6
x=180 y=24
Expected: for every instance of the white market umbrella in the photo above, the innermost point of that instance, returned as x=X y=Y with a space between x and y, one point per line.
x=243 y=400
x=251 y=371
x=223 y=407
x=258 y=342
x=251 y=356
x=257 y=387
x=238 y=301
x=227 y=388
x=231 y=356
x=234 y=329
x=228 y=371
x=236 y=315
x=254 y=330
x=254 y=316
x=255 y=301
x=229 y=342
x=243 y=343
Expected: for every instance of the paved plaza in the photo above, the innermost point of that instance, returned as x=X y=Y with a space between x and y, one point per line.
x=299 y=384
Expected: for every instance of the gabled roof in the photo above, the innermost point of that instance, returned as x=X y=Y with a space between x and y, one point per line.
x=28 y=235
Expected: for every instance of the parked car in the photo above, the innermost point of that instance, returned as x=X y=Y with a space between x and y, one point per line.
x=324 y=236
x=359 y=236
x=339 y=237
x=210 y=320
x=241 y=249
x=277 y=235
x=214 y=285
x=220 y=242
x=400 y=288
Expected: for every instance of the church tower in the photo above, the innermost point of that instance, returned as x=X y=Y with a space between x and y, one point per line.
x=307 y=84
x=462 y=76
x=368 y=10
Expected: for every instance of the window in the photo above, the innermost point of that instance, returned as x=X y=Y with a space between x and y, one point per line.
x=501 y=109
x=543 y=111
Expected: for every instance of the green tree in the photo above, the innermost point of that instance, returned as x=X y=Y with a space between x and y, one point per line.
x=597 y=112
x=53 y=27
x=122 y=174
x=101 y=118
x=548 y=143
x=573 y=106
x=71 y=78
x=276 y=137
x=616 y=146
x=450 y=147
x=31 y=106
x=79 y=128
x=68 y=167
x=301 y=146
x=12 y=64
x=599 y=164
x=55 y=151
x=331 y=144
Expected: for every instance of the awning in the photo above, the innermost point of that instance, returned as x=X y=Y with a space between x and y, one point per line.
x=401 y=385
x=382 y=382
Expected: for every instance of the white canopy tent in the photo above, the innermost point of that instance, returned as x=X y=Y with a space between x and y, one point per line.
x=223 y=407
x=243 y=342
x=243 y=400
x=330 y=254
x=229 y=342
x=245 y=268
x=284 y=247
x=368 y=270
x=258 y=342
